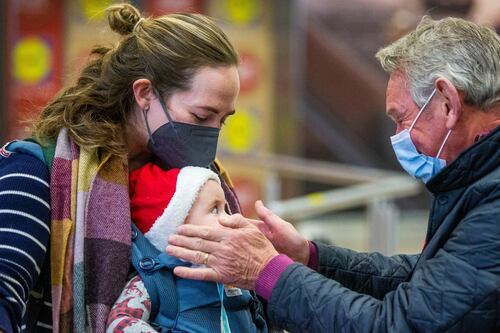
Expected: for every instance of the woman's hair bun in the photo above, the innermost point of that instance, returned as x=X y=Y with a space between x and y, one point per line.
x=122 y=18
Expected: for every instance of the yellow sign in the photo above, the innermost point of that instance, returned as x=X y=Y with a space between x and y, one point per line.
x=241 y=132
x=316 y=198
x=94 y=9
x=32 y=60
x=242 y=11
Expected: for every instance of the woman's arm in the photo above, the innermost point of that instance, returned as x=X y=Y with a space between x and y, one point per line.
x=132 y=309
x=24 y=231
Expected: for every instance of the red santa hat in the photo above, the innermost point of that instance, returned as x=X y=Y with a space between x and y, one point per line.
x=160 y=200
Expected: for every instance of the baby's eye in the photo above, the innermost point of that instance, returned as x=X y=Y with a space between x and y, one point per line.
x=215 y=210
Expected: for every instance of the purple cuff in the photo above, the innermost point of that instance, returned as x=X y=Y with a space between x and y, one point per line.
x=313 y=256
x=270 y=274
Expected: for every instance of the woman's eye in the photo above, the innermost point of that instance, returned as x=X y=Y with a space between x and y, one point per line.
x=215 y=210
x=198 y=117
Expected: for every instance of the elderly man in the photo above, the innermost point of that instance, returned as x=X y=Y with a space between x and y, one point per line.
x=444 y=96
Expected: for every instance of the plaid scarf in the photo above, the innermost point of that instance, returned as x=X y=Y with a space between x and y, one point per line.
x=90 y=235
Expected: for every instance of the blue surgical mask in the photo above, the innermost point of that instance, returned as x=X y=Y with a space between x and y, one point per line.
x=417 y=165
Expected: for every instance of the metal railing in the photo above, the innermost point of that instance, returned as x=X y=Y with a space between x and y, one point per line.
x=372 y=188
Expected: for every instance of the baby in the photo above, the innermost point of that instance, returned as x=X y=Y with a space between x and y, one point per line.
x=155 y=300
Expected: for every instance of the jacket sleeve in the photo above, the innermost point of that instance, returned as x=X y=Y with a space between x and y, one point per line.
x=132 y=309
x=369 y=273
x=24 y=233
x=456 y=290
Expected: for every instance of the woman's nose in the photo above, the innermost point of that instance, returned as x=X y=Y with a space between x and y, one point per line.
x=215 y=124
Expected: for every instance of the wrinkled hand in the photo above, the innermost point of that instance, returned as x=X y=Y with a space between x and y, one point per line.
x=237 y=251
x=282 y=234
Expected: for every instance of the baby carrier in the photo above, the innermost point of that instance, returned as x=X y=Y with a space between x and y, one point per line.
x=182 y=305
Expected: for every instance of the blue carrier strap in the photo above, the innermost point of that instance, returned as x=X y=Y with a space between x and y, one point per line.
x=224 y=321
x=147 y=260
x=24 y=147
x=181 y=305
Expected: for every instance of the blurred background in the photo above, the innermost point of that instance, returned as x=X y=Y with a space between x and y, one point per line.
x=310 y=135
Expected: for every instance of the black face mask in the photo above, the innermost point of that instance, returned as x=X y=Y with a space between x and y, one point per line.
x=177 y=145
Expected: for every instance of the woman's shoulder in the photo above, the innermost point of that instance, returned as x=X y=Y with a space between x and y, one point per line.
x=23 y=168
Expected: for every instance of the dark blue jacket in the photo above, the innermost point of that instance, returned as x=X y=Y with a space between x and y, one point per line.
x=452 y=286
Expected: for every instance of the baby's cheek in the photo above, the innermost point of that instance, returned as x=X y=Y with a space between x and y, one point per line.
x=205 y=219
x=211 y=220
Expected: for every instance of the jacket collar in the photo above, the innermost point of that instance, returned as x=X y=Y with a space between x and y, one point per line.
x=471 y=165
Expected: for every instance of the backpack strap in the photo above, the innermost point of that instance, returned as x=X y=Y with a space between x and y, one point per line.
x=48 y=150
x=24 y=147
x=157 y=277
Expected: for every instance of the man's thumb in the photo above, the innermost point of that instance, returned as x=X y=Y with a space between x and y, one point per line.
x=234 y=221
x=265 y=214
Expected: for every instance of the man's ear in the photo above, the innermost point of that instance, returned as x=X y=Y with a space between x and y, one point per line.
x=143 y=92
x=452 y=101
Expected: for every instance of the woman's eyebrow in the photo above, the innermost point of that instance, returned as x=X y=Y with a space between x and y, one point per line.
x=214 y=110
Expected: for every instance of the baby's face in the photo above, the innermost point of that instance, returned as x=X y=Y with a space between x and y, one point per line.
x=209 y=205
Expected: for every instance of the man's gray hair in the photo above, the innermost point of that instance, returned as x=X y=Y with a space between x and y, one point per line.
x=463 y=52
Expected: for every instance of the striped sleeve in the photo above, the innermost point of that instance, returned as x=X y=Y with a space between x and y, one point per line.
x=24 y=232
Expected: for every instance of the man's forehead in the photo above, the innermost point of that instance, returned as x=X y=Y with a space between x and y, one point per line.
x=397 y=81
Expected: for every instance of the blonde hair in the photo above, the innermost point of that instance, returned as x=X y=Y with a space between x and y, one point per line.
x=167 y=50
x=463 y=52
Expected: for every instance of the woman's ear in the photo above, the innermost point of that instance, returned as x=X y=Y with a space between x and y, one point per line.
x=452 y=101
x=143 y=92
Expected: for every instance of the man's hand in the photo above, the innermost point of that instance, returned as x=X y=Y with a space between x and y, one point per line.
x=235 y=252
x=282 y=234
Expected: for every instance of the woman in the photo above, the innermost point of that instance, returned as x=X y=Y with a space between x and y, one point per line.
x=162 y=93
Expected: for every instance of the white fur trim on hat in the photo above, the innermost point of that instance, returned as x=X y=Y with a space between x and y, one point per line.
x=189 y=183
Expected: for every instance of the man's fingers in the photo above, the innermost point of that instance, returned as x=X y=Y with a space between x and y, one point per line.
x=266 y=215
x=205 y=274
x=234 y=221
x=193 y=243
x=211 y=233
x=262 y=227
x=197 y=257
x=255 y=222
